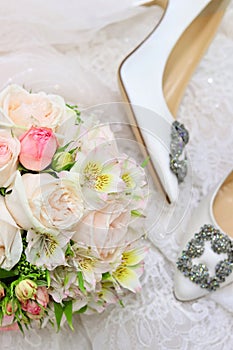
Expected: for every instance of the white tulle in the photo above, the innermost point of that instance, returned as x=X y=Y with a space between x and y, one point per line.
x=74 y=48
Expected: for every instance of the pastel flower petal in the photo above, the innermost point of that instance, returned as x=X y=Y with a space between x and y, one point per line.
x=127 y=278
x=135 y=256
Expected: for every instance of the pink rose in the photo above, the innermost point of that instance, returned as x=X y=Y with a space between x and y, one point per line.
x=9 y=152
x=38 y=146
x=42 y=296
x=33 y=310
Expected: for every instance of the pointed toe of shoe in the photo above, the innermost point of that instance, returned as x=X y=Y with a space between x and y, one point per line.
x=185 y=290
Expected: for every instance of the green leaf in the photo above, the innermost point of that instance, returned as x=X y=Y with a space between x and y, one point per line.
x=75 y=109
x=69 y=251
x=63 y=148
x=121 y=303
x=7 y=274
x=136 y=213
x=20 y=326
x=58 y=310
x=105 y=276
x=81 y=281
x=145 y=162
x=48 y=278
x=1 y=316
x=41 y=283
x=82 y=310
x=68 y=311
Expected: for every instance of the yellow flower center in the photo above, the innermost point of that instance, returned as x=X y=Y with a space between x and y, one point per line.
x=92 y=170
x=102 y=182
x=128 y=180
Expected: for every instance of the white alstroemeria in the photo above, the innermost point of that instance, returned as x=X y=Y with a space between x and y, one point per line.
x=46 y=249
x=91 y=267
x=100 y=174
x=127 y=274
x=45 y=203
x=132 y=173
x=10 y=239
x=64 y=283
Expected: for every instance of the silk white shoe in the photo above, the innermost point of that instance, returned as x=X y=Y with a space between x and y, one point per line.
x=206 y=261
x=154 y=77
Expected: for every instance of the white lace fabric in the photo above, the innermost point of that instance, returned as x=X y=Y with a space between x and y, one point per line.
x=153 y=319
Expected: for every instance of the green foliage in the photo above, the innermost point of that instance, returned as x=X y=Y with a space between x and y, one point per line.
x=145 y=162
x=58 y=310
x=78 y=113
x=81 y=281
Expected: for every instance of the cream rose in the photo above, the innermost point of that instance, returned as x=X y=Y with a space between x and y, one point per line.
x=46 y=204
x=10 y=239
x=105 y=230
x=25 y=109
x=9 y=152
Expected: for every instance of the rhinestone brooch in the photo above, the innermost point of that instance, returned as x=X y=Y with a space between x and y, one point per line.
x=199 y=273
x=179 y=139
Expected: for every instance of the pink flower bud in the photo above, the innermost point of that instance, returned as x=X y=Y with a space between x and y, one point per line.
x=25 y=290
x=42 y=296
x=38 y=146
x=2 y=291
x=11 y=307
x=33 y=310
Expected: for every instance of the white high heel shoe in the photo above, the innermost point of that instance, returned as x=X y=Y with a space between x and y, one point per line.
x=154 y=77
x=206 y=260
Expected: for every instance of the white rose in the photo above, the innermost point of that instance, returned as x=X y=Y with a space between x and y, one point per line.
x=9 y=152
x=105 y=230
x=46 y=204
x=10 y=239
x=25 y=109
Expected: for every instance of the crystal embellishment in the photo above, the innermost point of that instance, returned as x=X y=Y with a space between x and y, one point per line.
x=179 y=139
x=199 y=273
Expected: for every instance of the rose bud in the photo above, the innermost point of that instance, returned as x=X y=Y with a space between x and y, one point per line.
x=33 y=310
x=11 y=307
x=2 y=291
x=42 y=296
x=25 y=290
x=62 y=161
x=38 y=146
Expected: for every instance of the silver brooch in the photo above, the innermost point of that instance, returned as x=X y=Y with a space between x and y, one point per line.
x=199 y=273
x=179 y=139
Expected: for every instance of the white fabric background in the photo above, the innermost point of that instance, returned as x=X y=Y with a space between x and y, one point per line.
x=74 y=48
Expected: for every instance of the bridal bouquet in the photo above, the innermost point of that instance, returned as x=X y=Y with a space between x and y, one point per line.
x=69 y=210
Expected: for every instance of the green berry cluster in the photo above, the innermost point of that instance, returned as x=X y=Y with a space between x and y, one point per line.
x=25 y=268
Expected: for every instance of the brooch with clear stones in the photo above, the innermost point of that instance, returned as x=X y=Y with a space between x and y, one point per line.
x=199 y=273
x=179 y=139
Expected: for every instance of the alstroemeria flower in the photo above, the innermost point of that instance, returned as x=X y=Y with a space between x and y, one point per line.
x=132 y=173
x=64 y=285
x=91 y=267
x=104 y=296
x=100 y=174
x=46 y=249
x=131 y=268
